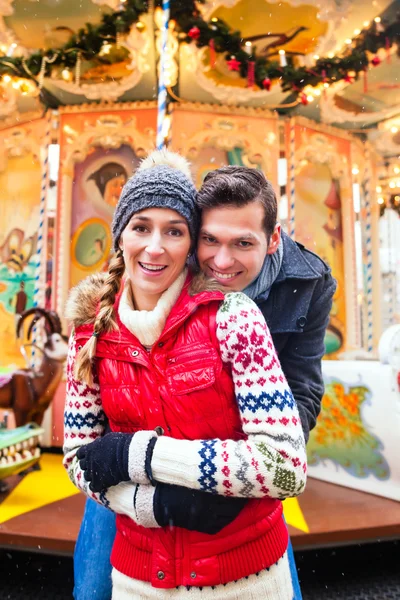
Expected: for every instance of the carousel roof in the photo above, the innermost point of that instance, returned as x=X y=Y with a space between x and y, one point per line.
x=295 y=37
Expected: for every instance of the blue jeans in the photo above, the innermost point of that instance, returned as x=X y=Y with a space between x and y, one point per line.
x=92 y=567
x=293 y=572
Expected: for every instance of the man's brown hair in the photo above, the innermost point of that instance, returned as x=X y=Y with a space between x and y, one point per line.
x=238 y=186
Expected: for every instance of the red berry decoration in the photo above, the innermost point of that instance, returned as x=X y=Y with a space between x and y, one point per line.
x=194 y=33
x=349 y=79
x=376 y=61
x=233 y=64
x=267 y=84
x=303 y=99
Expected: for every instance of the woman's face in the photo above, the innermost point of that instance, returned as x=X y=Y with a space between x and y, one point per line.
x=155 y=245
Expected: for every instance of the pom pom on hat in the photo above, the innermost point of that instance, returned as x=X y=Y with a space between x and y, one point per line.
x=167 y=158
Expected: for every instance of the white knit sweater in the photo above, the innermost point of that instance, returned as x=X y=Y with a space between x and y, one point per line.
x=272 y=584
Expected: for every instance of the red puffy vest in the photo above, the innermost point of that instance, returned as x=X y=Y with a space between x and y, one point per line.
x=183 y=387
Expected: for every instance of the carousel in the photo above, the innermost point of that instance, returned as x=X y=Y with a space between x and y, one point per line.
x=306 y=91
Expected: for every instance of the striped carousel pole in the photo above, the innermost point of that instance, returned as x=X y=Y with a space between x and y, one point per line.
x=162 y=88
x=292 y=172
x=368 y=248
x=40 y=269
x=392 y=267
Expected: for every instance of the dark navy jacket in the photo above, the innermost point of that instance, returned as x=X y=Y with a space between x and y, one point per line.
x=297 y=312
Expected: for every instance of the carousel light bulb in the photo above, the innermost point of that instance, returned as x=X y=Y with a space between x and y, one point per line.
x=331 y=54
x=394 y=129
x=392 y=184
x=11 y=49
x=317 y=92
x=105 y=49
x=282 y=58
x=214 y=20
x=326 y=85
x=357 y=31
x=248 y=48
x=355 y=170
x=66 y=74
x=366 y=24
x=378 y=189
x=381 y=200
x=16 y=84
x=377 y=19
x=140 y=26
x=349 y=41
x=6 y=79
x=396 y=170
x=310 y=98
x=316 y=56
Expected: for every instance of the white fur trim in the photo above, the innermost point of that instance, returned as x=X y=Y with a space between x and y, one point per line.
x=137 y=456
x=144 y=506
x=170 y=159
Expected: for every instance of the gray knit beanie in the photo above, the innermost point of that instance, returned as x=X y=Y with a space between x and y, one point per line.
x=163 y=180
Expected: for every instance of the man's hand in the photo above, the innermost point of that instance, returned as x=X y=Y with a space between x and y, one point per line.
x=194 y=510
x=105 y=461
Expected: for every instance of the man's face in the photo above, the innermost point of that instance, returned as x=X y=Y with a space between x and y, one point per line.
x=233 y=244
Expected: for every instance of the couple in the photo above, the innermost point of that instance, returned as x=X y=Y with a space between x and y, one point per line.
x=206 y=438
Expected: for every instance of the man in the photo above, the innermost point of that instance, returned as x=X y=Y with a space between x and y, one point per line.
x=241 y=246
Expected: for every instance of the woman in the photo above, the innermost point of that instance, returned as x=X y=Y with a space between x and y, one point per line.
x=202 y=418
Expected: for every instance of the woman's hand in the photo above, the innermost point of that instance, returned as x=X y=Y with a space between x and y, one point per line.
x=105 y=462
x=194 y=510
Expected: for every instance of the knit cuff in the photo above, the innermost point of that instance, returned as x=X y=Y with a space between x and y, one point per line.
x=137 y=456
x=120 y=499
x=144 y=500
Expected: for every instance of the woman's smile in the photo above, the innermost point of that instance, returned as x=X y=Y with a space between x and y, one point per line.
x=155 y=245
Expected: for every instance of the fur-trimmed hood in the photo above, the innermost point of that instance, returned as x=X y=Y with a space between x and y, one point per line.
x=84 y=298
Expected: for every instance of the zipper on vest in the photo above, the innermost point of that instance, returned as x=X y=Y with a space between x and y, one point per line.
x=203 y=354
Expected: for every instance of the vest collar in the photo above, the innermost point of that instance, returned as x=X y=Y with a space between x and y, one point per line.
x=183 y=308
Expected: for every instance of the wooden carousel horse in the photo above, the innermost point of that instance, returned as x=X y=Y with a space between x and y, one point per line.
x=28 y=392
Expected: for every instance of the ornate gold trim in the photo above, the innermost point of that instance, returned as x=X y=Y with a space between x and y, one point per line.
x=220 y=109
x=20 y=119
x=92 y=107
x=323 y=128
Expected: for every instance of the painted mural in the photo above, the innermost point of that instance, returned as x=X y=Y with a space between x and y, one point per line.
x=98 y=182
x=342 y=435
x=20 y=186
x=319 y=228
x=211 y=140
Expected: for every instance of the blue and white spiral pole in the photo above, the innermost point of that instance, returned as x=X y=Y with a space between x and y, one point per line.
x=162 y=88
x=368 y=249
x=40 y=269
x=292 y=186
x=392 y=268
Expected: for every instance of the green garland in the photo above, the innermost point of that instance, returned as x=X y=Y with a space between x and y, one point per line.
x=356 y=57
x=86 y=44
